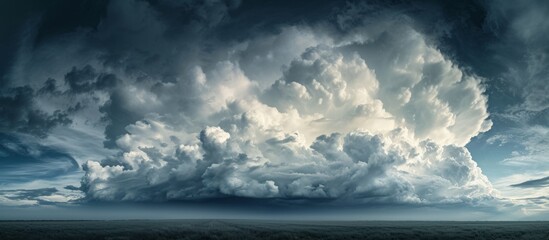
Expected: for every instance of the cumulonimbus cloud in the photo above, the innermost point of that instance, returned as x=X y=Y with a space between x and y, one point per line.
x=361 y=112
x=381 y=116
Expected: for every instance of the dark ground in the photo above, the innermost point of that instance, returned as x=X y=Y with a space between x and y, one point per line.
x=252 y=229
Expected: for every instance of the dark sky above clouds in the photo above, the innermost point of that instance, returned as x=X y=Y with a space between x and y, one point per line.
x=298 y=107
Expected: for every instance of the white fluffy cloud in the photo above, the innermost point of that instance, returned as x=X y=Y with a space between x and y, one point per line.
x=383 y=119
x=358 y=166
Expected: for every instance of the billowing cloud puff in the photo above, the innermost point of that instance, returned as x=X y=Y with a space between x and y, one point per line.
x=383 y=119
x=358 y=166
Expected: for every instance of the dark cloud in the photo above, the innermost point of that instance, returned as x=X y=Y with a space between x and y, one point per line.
x=517 y=83
x=86 y=80
x=26 y=197
x=20 y=194
x=19 y=113
x=64 y=16
x=81 y=80
x=28 y=161
x=106 y=81
x=51 y=19
x=50 y=87
x=73 y=188
x=535 y=183
x=118 y=113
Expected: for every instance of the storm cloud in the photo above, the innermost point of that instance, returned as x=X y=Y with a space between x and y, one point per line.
x=357 y=111
x=352 y=103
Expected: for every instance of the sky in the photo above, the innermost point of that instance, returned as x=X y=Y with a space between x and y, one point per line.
x=335 y=110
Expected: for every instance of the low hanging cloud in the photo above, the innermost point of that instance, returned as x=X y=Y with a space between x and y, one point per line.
x=534 y=183
x=40 y=196
x=26 y=161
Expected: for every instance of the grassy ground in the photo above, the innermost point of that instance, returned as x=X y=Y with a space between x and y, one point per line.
x=250 y=229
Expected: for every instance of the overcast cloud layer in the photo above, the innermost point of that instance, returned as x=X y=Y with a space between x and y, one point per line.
x=183 y=100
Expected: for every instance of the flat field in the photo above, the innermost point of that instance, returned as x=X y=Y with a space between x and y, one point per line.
x=261 y=229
